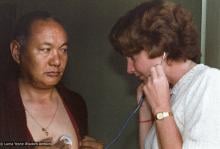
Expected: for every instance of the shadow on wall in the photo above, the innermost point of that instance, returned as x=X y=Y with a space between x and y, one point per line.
x=119 y=64
x=8 y=67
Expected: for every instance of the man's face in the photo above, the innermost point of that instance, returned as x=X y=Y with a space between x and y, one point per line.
x=140 y=64
x=44 y=58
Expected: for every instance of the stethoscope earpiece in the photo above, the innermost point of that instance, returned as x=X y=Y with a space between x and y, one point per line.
x=164 y=55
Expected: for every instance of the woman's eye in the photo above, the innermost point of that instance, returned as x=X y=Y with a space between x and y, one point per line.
x=132 y=58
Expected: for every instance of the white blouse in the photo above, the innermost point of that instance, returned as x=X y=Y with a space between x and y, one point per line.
x=195 y=104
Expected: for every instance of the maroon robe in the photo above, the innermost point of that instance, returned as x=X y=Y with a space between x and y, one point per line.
x=13 y=126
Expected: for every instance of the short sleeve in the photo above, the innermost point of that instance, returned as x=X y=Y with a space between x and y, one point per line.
x=202 y=115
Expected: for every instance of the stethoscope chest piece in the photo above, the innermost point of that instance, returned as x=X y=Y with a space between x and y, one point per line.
x=66 y=139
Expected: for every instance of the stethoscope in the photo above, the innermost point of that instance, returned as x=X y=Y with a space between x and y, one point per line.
x=116 y=138
x=141 y=100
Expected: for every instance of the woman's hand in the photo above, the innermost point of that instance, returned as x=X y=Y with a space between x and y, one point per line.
x=91 y=143
x=156 y=89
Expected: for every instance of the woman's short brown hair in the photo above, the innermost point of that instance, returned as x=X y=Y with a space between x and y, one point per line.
x=157 y=26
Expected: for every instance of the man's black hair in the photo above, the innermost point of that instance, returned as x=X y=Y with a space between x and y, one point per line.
x=22 y=28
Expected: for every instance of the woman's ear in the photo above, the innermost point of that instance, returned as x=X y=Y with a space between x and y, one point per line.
x=15 y=51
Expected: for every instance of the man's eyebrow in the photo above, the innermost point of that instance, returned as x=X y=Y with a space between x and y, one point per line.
x=49 y=44
x=65 y=44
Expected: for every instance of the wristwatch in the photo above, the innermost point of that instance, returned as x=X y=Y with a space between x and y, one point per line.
x=162 y=115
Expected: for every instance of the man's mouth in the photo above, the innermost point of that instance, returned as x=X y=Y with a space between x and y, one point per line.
x=53 y=73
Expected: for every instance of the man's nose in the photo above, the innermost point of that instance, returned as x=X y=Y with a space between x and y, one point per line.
x=55 y=59
x=130 y=66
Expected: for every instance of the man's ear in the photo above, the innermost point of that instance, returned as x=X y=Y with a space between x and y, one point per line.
x=15 y=48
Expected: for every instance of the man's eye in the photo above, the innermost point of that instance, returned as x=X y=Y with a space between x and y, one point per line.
x=45 y=50
x=64 y=50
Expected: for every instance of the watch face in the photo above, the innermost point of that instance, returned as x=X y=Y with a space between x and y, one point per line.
x=160 y=116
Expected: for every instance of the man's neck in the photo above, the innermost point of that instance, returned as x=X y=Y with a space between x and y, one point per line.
x=34 y=94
